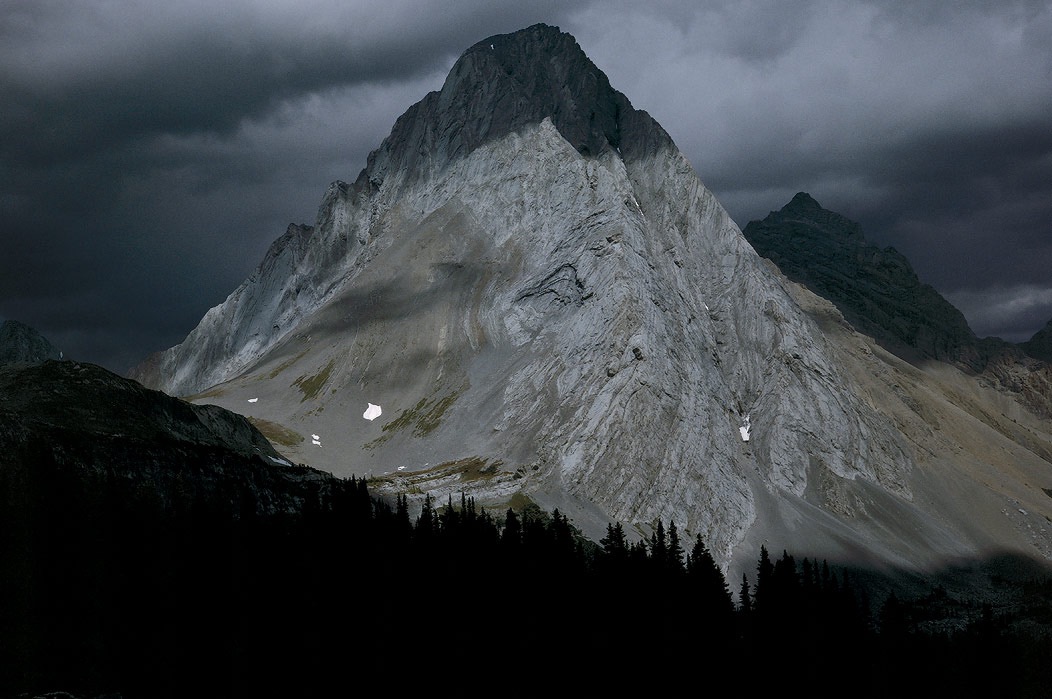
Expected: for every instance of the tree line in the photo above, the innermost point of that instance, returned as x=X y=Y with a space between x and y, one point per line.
x=109 y=589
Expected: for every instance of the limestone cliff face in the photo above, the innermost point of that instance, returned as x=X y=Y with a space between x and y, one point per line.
x=547 y=303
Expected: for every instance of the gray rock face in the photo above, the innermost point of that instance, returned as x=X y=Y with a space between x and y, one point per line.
x=548 y=305
x=20 y=343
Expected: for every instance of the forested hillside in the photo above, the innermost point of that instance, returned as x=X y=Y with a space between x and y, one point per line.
x=110 y=590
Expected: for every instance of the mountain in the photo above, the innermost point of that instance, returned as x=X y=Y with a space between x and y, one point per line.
x=20 y=343
x=881 y=296
x=547 y=305
x=876 y=289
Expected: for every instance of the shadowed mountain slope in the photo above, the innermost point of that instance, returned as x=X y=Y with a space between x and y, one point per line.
x=1040 y=345
x=876 y=289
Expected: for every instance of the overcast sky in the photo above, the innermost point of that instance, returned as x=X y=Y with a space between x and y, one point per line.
x=151 y=151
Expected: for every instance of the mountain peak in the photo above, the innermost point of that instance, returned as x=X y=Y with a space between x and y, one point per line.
x=802 y=201
x=501 y=85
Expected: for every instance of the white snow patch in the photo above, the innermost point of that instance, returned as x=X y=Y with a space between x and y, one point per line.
x=252 y=400
x=745 y=429
x=283 y=462
x=372 y=412
x=315 y=442
x=401 y=468
x=315 y=437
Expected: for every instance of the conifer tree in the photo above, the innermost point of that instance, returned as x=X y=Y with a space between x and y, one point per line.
x=659 y=548
x=764 y=577
x=745 y=597
x=675 y=550
x=511 y=534
x=708 y=579
x=425 y=523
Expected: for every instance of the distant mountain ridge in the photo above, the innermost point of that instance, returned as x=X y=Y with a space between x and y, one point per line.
x=880 y=295
x=876 y=289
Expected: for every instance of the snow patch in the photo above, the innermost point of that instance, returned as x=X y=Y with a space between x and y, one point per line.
x=315 y=439
x=283 y=462
x=252 y=400
x=745 y=429
x=372 y=412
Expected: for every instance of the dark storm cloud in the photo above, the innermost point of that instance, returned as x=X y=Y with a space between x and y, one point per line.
x=927 y=122
x=152 y=151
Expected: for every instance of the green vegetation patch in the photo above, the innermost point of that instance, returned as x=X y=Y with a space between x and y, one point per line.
x=277 y=434
x=520 y=502
x=474 y=468
x=423 y=418
x=311 y=385
x=470 y=468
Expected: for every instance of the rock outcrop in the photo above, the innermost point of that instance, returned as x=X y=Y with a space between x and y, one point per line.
x=19 y=343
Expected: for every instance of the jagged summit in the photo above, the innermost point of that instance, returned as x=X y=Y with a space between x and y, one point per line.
x=500 y=85
x=804 y=210
x=802 y=201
